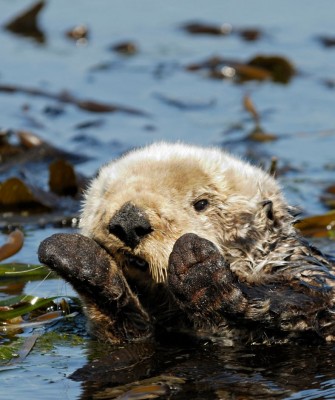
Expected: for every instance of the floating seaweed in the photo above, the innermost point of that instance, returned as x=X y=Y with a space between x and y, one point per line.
x=95 y=123
x=26 y=23
x=38 y=183
x=257 y=134
x=127 y=48
x=28 y=312
x=66 y=97
x=201 y=28
x=249 y=34
x=62 y=178
x=79 y=34
x=23 y=311
x=280 y=68
x=328 y=197
x=318 y=225
x=19 y=196
x=185 y=104
x=250 y=107
x=326 y=41
x=261 y=67
x=13 y=245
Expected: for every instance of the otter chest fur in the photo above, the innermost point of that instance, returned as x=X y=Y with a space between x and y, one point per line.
x=183 y=237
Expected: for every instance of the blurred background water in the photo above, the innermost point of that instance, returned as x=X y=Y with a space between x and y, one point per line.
x=179 y=105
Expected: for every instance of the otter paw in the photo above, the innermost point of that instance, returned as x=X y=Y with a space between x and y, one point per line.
x=198 y=275
x=115 y=313
x=82 y=262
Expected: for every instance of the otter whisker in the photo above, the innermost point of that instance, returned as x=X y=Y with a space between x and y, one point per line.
x=35 y=288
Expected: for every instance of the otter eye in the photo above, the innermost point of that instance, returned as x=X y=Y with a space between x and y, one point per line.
x=201 y=205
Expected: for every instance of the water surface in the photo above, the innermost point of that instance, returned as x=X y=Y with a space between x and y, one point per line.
x=300 y=114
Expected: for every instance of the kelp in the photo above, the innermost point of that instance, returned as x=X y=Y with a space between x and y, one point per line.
x=13 y=352
x=22 y=352
x=52 y=338
x=19 y=148
x=250 y=107
x=22 y=270
x=329 y=83
x=66 y=97
x=221 y=68
x=62 y=211
x=25 y=305
x=318 y=225
x=186 y=104
x=328 y=197
x=37 y=178
x=63 y=179
x=79 y=34
x=22 y=202
x=94 y=123
x=273 y=169
x=127 y=48
x=257 y=134
x=20 y=312
x=14 y=276
x=249 y=34
x=64 y=217
x=262 y=67
x=201 y=28
x=23 y=311
x=19 y=196
x=326 y=40
x=16 y=351
x=10 y=350
x=13 y=245
x=280 y=68
x=26 y=23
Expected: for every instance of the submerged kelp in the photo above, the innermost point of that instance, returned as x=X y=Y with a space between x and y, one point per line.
x=19 y=312
x=37 y=180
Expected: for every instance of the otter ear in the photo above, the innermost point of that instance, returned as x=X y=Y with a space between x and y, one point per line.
x=267 y=207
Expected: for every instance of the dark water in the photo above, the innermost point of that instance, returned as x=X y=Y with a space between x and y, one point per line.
x=185 y=106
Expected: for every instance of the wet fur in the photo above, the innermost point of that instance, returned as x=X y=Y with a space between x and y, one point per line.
x=166 y=180
x=237 y=269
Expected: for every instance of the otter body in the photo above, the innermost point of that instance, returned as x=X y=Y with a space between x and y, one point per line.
x=183 y=237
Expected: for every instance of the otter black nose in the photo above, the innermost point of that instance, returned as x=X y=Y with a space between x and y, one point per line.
x=130 y=224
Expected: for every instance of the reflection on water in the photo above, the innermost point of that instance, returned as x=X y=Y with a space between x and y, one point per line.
x=135 y=56
x=210 y=371
x=177 y=370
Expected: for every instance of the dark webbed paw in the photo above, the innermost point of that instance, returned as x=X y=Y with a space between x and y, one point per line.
x=83 y=263
x=205 y=287
x=200 y=279
x=114 y=311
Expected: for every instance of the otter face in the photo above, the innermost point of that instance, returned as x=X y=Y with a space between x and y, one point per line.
x=140 y=204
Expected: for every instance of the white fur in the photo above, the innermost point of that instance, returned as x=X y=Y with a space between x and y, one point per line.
x=165 y=179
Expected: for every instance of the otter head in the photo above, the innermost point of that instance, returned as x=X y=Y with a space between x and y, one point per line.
x=140 y=204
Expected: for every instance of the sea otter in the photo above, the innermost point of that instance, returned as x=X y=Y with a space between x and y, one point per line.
x=179 y=237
